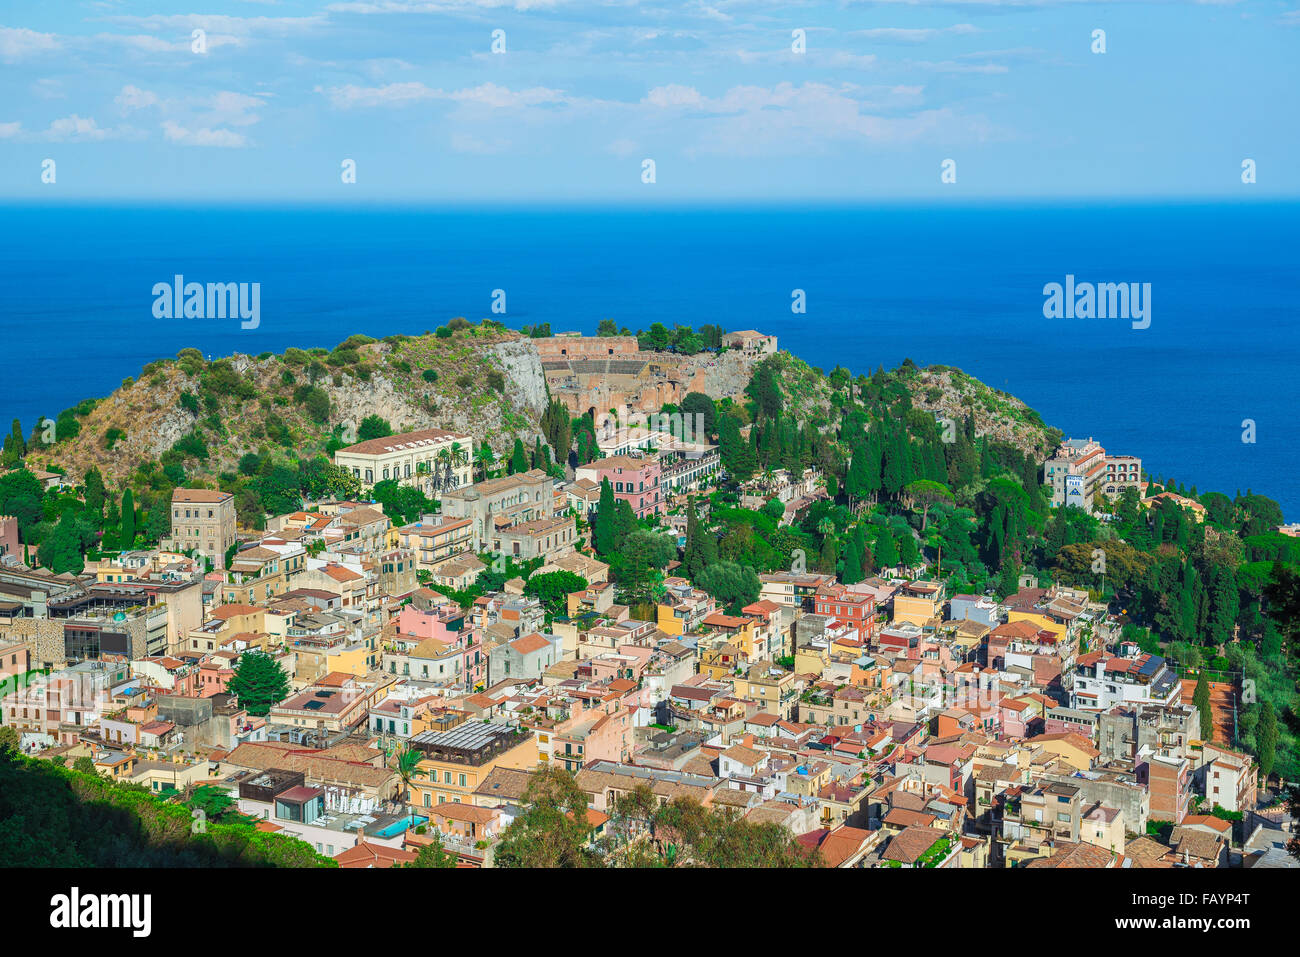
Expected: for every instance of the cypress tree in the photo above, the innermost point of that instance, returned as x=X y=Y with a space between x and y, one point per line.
x=852 y=573
x=1266 y=739
x=1201 y=698
x=128 y=519
x=886 y=550
x=604 y=531
x=518 y=459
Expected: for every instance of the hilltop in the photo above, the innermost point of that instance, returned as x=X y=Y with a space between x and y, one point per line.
x=481 y=379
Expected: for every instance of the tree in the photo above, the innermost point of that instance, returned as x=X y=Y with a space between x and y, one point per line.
x=84 y=764
x=1283 y=596
x=518 y=459
x=925 y=493
x=484 y=459
x=128 y=520
x=258 y=683
x=373 y=427
x=765 y=391
x=1201 y=698
x=433 y=855
x=558 y=429
x=732 y=584
x=95 y=493
x=886 y=550
x=1266 y=739
x=852 y=573
x=553 y=830
x=20 y=496
x=701 y=546
x=552 y=589
x=605 y=531
x=9 y=739
x=697 y=403
x=214 y=802
x=61 y=551
x=407 y=764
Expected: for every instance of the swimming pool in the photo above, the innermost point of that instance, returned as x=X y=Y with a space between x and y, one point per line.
x=401 y=824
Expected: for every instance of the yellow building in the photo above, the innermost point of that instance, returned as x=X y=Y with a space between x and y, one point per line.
x=918 y=602
x=455 y=762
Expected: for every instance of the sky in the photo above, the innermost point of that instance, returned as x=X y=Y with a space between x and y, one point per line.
x=273 y=99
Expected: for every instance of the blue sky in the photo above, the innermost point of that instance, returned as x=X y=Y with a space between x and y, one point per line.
x=711 y=90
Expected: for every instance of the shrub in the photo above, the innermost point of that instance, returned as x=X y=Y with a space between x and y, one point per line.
x=111 y=436
x=429 y=375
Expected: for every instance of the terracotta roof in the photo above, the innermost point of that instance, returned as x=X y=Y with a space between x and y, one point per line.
x=201 y=495
x=391 y=442
x=907 y=846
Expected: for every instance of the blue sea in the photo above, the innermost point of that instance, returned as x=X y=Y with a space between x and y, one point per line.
x=954 y=285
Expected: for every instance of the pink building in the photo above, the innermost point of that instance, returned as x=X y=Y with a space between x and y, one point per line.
x=9 y=544
x=446 y=624
x=213 y=676
x=633 y=479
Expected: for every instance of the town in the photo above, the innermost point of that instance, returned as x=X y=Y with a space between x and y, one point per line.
x=816 y=629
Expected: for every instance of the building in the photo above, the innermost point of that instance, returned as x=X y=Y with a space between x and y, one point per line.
x=545 y=538
x=457 y=761
x=1229 y=778
x=1122 y=471
x=508 y=500
x=203 y=521
x=634 y=480
x=1169 y=781
x=1080 y=469
x=750 y=341
x=1102 y=681
x=436 y=540
x=432 y=460
x=526 y=657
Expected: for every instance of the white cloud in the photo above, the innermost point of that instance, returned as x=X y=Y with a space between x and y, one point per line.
x=10 y=130
x=17 y=43
x=76 y=128
x=134 y=98
x=914 y=34
x=809 y=118
x=176 y=133
x=400 y=94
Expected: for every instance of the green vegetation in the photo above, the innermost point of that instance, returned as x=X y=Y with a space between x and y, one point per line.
x=258 y=682
x=51 y=816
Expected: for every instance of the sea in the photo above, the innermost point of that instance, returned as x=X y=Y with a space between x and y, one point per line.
x=1206 y=393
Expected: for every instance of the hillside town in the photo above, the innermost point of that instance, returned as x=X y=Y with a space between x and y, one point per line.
x=388 y=682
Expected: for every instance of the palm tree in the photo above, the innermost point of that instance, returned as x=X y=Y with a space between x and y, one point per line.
x=406 y=764
x=484 y=459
